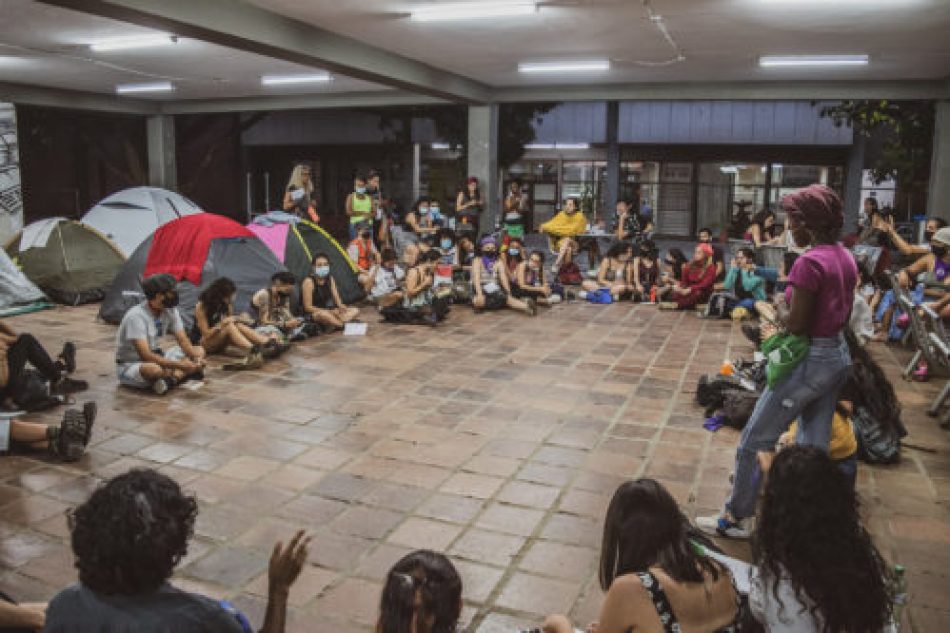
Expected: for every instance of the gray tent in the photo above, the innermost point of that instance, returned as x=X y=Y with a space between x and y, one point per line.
x=17 y=293
x=245 y=260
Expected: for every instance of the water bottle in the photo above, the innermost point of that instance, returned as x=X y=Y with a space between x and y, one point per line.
x=900 y=596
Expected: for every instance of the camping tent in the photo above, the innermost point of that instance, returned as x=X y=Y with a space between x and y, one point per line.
x=196 y=249
x=17 y=293
x=129 y=216
x=72 y=263
x=295 y=242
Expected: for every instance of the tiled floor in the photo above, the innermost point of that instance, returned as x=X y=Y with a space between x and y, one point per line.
x=496 y=438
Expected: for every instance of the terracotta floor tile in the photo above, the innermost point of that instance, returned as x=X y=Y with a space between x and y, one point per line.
x=528 y=494
x=353 y=599
x=472 y=485
x=536 y=595
x=509 y=519
x=366 y=522
x=452 y=508
x=228 y=566
x=424 y=534
x=487 y=547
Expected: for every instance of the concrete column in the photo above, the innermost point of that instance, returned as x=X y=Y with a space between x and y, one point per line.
x=852 y=184
x=938 y=199
x=483 y=158
x=162 y=166
x=613 y=160
x=416 y=170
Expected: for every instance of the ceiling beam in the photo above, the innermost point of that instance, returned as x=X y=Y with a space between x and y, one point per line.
x=372 y=99
x=74 y=100
x=238 y=25
x=753 y=90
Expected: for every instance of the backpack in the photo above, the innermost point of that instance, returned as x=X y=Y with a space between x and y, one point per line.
x=32 y=393
x=710 y=391
x=602 y=295
x=570 y=275
x=737 y=407
x=718 y=305
x=875 y=445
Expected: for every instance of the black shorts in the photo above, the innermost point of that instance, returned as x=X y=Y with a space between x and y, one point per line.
x=495 y=300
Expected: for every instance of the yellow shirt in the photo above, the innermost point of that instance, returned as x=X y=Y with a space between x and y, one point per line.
x=564 y=225
x=843 y=443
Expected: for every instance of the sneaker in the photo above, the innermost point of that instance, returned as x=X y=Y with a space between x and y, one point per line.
x=725 y=526
x=903 y=321
x=532 y=306
x=271 y=349
x=161 y=386
x=68 y=356
x=753 y=333
x=68 y=385
x=68 y=444
x=89 y=412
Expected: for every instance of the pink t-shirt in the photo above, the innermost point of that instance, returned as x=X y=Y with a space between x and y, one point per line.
x=830 y=273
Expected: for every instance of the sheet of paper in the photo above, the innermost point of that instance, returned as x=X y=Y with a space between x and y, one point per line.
x=355 y=329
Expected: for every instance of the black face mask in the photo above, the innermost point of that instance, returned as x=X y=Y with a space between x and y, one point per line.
x=939 y=251
x=170 y=300
x=366 y=235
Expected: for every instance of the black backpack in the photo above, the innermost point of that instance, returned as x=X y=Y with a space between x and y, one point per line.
x=710 y=391
x=875 y=444
x=32 y=393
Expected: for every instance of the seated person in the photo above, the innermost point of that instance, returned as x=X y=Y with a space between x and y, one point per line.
x=842 y=447
x=390 y=278
x=763 y=229
x=628 y=222
x=127 y=539
x=419 y=222
x=562 y=230
x=909 y=250
x=862 y=316
x=465 y=253
x=420 y=301
x=719 y=258
x=216 y=328
x=743 y=287
x=513 y=256
x=615 y=273
x=490 y=286
x=272 y=306
x=364 y=255
x=532 y=283
x=321 y=299
x=422 y=593
x=18 y=350
x=140 y=361
x=66 y=442
x=696 y=284
x=448 y=255
x=653 y=576
x=646 y=273
x=791 y=590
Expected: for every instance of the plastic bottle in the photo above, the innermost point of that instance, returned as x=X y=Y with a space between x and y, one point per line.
x=727 y=369
x=653 y=295
x=900 y=595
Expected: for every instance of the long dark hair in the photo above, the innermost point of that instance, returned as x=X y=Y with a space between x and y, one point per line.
x=809 y=531
x=422 y=589
x=871 y=389
x=216 y=298
x=679 y=259
x=645 y=528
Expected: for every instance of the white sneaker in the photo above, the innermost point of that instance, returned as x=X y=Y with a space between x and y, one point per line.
x=160 y=387
x=725 y=526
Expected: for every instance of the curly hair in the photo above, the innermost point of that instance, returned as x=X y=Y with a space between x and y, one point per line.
x=809 y=532
x=216 y=297
x=129 y=535
x=423 y=587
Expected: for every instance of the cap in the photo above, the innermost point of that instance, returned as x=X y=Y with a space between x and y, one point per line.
x=162 y=282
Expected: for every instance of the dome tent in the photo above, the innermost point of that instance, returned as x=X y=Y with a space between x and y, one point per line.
x=71 y=262
x=129 y=216
x=196 y=250
x=17 y=293
x=296 y=241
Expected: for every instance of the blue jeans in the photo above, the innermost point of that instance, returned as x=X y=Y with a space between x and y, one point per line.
x=808 y=394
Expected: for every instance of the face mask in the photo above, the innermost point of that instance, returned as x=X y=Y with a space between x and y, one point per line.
x=170 y=300
x=446 y=244
x=939 y=251
x=423 y=211
x=929 y=235
x=366 y=235
x=361 y=190
x=434 y=210
x=322 y=271
x=489 y=254
x=514 y=251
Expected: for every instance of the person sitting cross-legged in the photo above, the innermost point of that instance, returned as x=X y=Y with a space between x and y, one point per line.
x=127 y=538
x=272 y=306
x=216 y=328
x=364 y=255
x=743 y=287
x=140 y=361
x=321 y=299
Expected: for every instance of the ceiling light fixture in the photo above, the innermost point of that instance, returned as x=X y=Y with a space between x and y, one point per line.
x=800 y=61
x=471 y=11
x=596 y=65
x=131 y=42
x=557 y=146
x=288 y=80
x=155 y=86
x=441 y=146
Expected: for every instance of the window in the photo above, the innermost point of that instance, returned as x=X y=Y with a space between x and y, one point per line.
x=585 y=180
x=728 y=188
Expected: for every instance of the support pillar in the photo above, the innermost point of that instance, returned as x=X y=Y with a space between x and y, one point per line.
x=938 y=199
x=613 y=160
x=416 y=170
x=162 y=165
x=852 y=184
x=483 y=159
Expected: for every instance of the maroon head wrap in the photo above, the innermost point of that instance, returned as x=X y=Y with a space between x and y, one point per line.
x=815 y=206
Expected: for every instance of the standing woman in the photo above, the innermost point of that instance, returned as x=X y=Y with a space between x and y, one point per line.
x=516 y=204
x=490 y=285
x=359 y=205
x=216 y=327
x=820 y=295
x=299 y=197
x=469 y=204
x=321 y=299
x=696 y=283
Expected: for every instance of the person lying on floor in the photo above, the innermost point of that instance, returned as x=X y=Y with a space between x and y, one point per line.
x=127 y=539
x=216 y=328
x=390 y=279
x=490 y=287
x=18 y=350
x=615 y=273
x=531 y=282
x=272 y=307
x=140 y=360
x=653 y=577
x=66 y=442
x=363 y=254
x=321 y=299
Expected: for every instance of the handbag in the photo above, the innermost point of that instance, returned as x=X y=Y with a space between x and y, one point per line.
x=783 y=352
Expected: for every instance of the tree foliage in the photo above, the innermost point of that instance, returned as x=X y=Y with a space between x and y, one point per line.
x=905 y=130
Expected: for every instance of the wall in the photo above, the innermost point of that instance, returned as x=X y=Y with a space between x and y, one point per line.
x=11 y=194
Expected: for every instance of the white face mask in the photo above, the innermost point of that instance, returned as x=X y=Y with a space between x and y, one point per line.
x=321 y=271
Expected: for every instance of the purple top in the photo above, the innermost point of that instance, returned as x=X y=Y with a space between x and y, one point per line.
x=941 y=268
x=830 y=273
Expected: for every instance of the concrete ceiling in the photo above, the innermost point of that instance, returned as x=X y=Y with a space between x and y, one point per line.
x=222 y=59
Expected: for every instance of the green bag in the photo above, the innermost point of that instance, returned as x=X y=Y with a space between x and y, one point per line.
x=784 y=352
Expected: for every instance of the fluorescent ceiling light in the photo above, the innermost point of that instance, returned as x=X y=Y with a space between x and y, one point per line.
x=287 y=80
x=440 y=146
x=557 y=146
x=155 y=86
x=776 y=61
x=130 y=42
x=471 y=10
x=564 y=67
